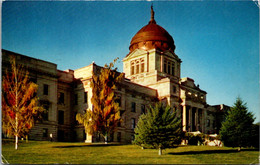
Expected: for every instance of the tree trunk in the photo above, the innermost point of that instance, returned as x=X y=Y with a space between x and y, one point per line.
x=160 y=151
x=16 y=142
x=26 y=138
x=105 y=139
x=16 y=132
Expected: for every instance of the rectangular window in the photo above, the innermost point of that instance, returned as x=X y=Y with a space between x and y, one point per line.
x=174 y=89
x=61 y=117
x=165 y=66
x=76 y=99
x=169 y=68
x=133 y=123
x=45 y=114
x=133 y=107
x=208 y=122
x=118 y=100
x=173 y=70
x=142 y=108
x=119 y=123
x=85 y=97
x=45 y=132
x=119 y=136
x=61 y=98
x=45 y=89
x=111 y=137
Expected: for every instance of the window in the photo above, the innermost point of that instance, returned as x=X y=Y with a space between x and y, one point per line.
x=169 y=67
x=133 y=123
x=85 y=97
x=61 y=117
x=174 y=89
x=133 y=107
x=119 y=123
x=76 y=99
x=165 y=66
x=173 y=70
x=61 y=98
x=45 y=115
x=111 y=137
x=45 y=89
x=208 y=122
x=137 y=67
x=45 y=132
x=118 y=100
x=85 y=136
x=119 y=136
x=132 y=68
x=142 y=108
x=142 y=65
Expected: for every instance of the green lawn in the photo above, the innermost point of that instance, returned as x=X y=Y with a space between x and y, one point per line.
x=43 y=152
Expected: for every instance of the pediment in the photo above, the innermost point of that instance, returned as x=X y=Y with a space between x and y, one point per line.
x=135 y=53
x=170 y=54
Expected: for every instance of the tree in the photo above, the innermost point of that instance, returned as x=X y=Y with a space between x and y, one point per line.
x=85 y=119
x=20 y=106
x=255 y=135
x=236 y=129
x=105 y=114
x=159 y=127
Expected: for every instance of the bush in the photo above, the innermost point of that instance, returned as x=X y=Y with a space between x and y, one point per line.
x=194 y=139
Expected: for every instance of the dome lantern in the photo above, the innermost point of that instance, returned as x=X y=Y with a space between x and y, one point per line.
x=152 y=36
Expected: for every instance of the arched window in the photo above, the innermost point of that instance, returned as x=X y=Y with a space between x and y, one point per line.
x=142 y=65
x=137 y=67
x=132 y=68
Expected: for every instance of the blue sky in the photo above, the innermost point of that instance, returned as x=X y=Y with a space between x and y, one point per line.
x=218 y=41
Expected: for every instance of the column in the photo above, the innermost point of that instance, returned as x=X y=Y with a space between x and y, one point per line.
x=88 y=138
x=190 y=119
x=162 y=61
x=203 y=122
x=197 y=119
x=184 y=124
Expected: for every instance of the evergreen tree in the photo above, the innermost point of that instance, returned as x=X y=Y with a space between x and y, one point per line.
x=236 y=129
x=20 y=106
x=255 y=135
x=105 y=115
x=159 y=127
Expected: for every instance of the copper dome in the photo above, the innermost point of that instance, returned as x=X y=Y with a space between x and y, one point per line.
x=152 y=36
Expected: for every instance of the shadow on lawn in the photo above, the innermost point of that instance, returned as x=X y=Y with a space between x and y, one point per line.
x=88 y=145
x=209 y=152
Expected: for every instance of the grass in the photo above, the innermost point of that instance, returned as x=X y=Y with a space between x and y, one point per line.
x=43 y=152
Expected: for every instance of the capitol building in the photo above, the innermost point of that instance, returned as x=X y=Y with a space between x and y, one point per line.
x=152 y=71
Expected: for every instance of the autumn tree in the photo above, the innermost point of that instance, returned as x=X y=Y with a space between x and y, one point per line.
x=86 y=120
x=20 y=106
x=236 y=130
x=159 y=127
x=105 y=114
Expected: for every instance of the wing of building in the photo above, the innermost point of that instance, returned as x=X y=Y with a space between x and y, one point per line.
x=152 y=72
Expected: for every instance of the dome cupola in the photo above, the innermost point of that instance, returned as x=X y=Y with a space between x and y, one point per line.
x=152 y=36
